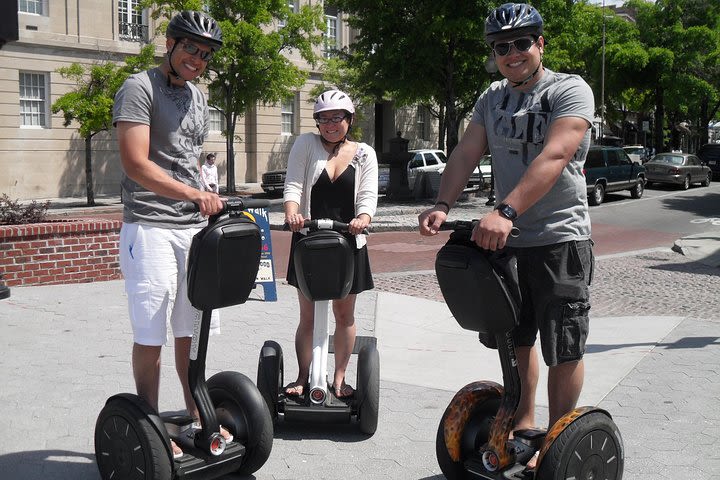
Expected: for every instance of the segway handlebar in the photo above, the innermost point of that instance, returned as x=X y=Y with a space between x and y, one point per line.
x=326 y=224
x=232 y=204
x=470 y=224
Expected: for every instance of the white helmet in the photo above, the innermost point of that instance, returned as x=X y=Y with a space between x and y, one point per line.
x=333 y=100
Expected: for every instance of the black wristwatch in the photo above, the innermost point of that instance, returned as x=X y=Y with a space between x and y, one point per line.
x=507 y=211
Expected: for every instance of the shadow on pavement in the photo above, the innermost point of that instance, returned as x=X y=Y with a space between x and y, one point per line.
x=341 y=433
x=48 y=464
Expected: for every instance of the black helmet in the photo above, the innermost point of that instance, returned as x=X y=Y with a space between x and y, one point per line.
x=196 y=26
x=513 y=18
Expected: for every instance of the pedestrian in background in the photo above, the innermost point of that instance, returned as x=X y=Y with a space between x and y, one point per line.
x=209 y=174
x=536 y=124
x=162 y=121
x=330 y=176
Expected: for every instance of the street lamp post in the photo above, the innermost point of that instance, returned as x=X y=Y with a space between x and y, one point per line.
x=602 y=79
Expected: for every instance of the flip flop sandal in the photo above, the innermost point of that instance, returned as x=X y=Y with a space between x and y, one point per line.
x=295 y=386
x=345 y=391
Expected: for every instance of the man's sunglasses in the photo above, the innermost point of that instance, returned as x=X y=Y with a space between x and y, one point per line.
x=521 y=45
x=193 y=49
x=335 y=119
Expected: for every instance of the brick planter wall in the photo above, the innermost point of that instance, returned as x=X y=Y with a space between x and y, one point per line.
x=57 y=252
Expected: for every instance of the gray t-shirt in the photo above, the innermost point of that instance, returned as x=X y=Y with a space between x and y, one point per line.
x=178 y=118
x=516 y=124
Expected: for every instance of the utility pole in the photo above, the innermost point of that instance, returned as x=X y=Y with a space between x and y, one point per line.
x=602 y=79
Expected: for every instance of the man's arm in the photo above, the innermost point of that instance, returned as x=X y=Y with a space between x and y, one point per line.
x=561 y=143
x=463 y=160
x=134 y=143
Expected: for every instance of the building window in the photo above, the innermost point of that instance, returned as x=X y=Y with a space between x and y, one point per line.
x=287 y=112
x=217 y=120
x=291 y=6
x=331 y=40
x=33 y=99
x=31 y=6
x=132 y=21
x=423 y=123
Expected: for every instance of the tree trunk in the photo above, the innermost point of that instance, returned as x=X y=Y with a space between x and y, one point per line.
x=659 y=120
x=89 y=172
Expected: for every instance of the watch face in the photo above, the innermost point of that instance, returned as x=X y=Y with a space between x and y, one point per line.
x=507 y=211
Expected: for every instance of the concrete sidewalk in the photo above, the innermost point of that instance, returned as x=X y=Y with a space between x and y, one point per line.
x=653 y=362
x=66 y=349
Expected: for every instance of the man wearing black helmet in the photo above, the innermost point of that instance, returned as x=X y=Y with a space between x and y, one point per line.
x=162 y=121
x=535 y=123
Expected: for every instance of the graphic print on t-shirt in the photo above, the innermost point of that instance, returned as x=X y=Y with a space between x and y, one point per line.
x=522 y=121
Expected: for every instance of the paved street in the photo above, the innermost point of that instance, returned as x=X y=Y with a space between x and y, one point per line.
x=653 y=361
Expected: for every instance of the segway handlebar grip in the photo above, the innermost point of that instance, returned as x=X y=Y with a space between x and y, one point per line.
x=326 y=224
x=470 y=224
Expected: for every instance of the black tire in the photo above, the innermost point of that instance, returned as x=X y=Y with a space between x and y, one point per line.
x=242 y=410
x=270 y=375
x=475 y=434
x=127 y=446
x=590 y=447
x=708 y=179
x=598 y=194
x=639 y=188
x=368 y=389
x=686 y=183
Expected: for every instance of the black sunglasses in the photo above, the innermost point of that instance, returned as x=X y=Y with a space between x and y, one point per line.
x=335 y=119
x=521 y=45
x=194 y=50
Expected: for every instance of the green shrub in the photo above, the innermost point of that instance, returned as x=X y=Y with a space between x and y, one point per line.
x=13 y=213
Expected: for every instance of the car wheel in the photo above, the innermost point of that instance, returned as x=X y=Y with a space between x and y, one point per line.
x=686 y=183
x=598 y=194
x=638 y=189
x=708 y=179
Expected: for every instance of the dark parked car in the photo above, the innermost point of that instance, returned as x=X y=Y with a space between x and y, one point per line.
x=710 y=155
x=681 y=169
x=273 y=182
x=609 y=169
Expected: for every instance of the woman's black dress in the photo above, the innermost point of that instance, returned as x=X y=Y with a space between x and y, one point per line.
x=336 y=201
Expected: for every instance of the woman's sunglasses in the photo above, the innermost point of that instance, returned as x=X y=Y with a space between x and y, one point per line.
x=336 y=119
x=521 y=45
x=194 y=50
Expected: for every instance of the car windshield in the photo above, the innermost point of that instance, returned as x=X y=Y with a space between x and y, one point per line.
x=634 y=150
x=669 y=159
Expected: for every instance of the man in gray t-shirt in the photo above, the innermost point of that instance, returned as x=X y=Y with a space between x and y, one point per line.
x=162 y=122
x=535 y=123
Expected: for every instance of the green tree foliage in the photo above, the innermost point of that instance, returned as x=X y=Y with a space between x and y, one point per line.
x=254 y=65
x=421 y=51
x=90 y=103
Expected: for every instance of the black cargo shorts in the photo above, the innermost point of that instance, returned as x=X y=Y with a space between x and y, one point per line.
x=554 y=281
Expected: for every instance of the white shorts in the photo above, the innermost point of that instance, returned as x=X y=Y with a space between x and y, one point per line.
x=153 y=262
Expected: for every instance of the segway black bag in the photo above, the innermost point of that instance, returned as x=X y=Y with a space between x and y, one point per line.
x=324 y=265
x=479 y=287
x=223 y=263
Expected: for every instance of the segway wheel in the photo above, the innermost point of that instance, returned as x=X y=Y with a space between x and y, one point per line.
x=368 y=389
x=589 y=447
x=127 y=446
x=475 y=433
x=270 y=375
x=241 y=409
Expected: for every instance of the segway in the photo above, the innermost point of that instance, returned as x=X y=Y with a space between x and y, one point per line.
x=324 y=264
x=132 y=440
x=472 y=438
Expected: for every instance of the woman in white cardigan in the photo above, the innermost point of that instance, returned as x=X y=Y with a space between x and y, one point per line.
x=330 y=176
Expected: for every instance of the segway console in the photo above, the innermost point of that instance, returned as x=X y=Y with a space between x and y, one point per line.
x=324 y=264
x=132 y=441
x=482 y=292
